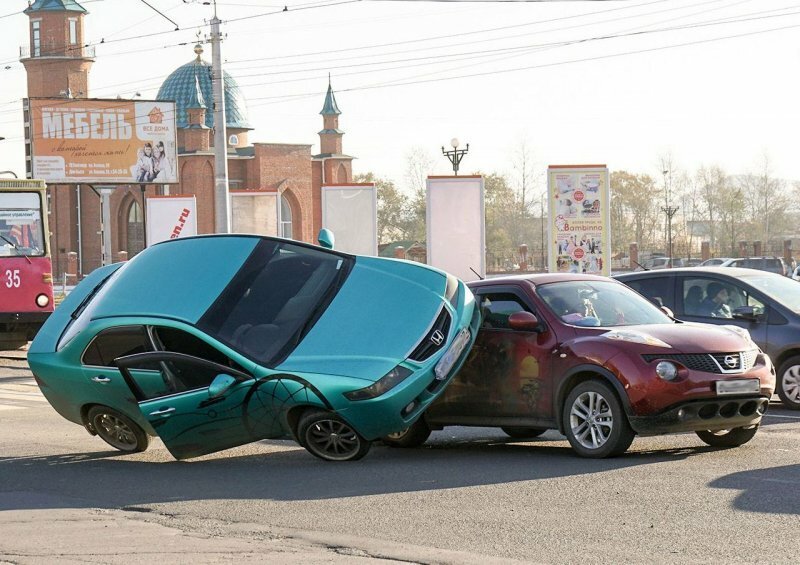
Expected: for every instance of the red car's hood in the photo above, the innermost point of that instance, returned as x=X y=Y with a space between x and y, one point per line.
x=689 y=337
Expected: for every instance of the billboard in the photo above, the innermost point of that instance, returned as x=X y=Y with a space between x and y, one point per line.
x=102 y=141
x=170 y=217
x=255 y=212
x=578 y=219
x=455 y=217
x=351 y=212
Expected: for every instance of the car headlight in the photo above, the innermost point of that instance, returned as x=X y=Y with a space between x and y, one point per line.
x=383 y=385
x=636 y=337
x=666 y=370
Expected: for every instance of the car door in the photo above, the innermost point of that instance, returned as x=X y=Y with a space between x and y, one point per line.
x=507 y=373
x=688 y=288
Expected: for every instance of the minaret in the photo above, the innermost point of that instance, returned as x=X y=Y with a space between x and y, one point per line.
x=330 y=138
x=56 y=60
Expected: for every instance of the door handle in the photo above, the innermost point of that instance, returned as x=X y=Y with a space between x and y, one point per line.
x=101 y=379
x=162 y=412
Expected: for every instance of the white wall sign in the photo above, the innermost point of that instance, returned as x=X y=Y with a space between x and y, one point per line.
x=170 y=217
x=255 y=212
x=351 y=212
x=456 y=226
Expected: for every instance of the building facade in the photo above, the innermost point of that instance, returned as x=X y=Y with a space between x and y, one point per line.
x=58 y=65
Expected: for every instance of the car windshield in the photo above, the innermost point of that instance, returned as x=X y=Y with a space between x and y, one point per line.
x=21 y=224
x=600 y=304
x=781 y=289
x=275 y=298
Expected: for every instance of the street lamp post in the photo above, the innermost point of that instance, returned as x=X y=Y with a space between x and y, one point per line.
x=456 y=154
x=670 y=211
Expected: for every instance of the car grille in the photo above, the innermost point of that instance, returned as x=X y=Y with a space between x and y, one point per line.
x=431 y=343
x=711 y=363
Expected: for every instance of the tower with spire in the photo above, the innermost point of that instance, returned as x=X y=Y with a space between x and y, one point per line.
x=335 y=167
x=56 y=60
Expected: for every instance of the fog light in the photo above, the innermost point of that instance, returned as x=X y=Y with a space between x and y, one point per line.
x=42 y=300
x=666 y=370
x=410 y=408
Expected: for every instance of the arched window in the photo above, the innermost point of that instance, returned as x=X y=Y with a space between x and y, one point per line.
x=135 y=229
x=286 y=218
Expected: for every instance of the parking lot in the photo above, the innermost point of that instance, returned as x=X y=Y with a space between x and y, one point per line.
x=469 y=495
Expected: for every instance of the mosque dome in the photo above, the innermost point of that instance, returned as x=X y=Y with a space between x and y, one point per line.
x=190 y=86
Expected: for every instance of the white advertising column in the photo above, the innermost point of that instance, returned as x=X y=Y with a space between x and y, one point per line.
x=456 y=223
x=350 y=211
x=170 y=217
x=255 y=212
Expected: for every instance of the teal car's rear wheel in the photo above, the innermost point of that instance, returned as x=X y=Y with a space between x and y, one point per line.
x=413 y=436
x=327 y=436
x=117 y=430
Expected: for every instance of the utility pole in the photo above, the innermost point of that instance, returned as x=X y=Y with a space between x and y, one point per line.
x=222 y=214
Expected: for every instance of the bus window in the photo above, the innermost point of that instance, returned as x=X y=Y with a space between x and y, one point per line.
x=21 y=224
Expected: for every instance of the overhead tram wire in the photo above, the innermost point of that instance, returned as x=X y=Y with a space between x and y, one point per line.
x=727 y=20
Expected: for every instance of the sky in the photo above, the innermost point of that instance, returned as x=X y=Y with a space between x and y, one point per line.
x=621 y=83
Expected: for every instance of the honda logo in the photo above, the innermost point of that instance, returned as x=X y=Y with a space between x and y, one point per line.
x=731 y=361
x=437 y=337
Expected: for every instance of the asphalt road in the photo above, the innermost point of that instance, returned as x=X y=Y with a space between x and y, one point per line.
x=470 y=495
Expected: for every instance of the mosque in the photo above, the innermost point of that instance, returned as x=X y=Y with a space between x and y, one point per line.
x=58 y=61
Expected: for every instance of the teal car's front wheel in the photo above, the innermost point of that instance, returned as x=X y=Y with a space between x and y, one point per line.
x=117 y=430
x=328 y=437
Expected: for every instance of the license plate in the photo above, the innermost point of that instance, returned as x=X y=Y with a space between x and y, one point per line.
x=449 y=359
x=738 y=386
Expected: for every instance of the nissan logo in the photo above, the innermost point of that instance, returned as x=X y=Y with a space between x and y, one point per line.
x=437 y=337
x=731 y=361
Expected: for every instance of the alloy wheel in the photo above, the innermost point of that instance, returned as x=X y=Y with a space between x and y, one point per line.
x=591 y=420
x=332 y=439
x=115 y=432
x=791 y=383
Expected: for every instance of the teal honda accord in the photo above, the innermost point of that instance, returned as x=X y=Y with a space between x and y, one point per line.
x=216 y=341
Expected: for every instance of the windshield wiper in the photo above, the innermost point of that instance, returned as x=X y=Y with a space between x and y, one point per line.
x=16 y=247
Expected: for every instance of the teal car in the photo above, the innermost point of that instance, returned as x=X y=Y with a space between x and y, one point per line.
x=216 y=341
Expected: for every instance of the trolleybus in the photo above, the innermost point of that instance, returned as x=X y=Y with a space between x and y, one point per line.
x=26 y=272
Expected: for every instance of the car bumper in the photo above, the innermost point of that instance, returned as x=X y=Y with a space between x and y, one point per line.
x=707 y=414
x=398 y=409
x=26 y=318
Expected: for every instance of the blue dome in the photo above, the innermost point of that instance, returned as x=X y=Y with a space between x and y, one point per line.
x=181 y=86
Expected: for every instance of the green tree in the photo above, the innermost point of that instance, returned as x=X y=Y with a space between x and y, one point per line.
x=635 y=201
x=392 y=208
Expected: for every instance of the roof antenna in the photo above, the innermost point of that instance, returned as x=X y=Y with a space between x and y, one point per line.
x=476 y=273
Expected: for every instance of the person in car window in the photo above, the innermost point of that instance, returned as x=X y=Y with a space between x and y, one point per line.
x=715 y=303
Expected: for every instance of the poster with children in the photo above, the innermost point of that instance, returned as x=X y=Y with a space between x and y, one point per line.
x=578 y=197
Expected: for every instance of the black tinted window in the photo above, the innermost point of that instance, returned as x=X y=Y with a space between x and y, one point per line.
x=655 y=289
x=275 y=298
x=115 y=342
x=179 y=341
x=496 y=308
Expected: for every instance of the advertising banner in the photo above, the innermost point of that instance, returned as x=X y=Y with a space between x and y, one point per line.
x=579 y=215
x=170 y=217
x=456 y=240
x=103 y=141
x=351 y=212
x=254 y=212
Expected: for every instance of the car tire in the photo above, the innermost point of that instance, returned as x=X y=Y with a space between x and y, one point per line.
x=117 y=430
x=788 y=383
x=594 y=421
x=327 y=436
x=413 y=436
x=728 y=438
x=522 y=433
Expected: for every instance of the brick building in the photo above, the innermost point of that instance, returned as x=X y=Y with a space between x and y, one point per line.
x=58 y=64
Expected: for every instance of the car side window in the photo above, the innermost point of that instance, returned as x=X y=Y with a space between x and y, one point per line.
x=656 y=290
x=156 y=379
x=115 y=342
x=713 y=298
x=179 y=341
x=496 y=308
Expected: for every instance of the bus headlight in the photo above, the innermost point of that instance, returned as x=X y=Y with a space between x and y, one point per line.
x=42 y=300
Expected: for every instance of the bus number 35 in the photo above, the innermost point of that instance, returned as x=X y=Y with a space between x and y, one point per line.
x=12 y=278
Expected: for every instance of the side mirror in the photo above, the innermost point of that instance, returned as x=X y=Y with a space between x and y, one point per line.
x=220 y=385
x=746 y=313
x=325 y=238
x=667 y=311
x=524 y=322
